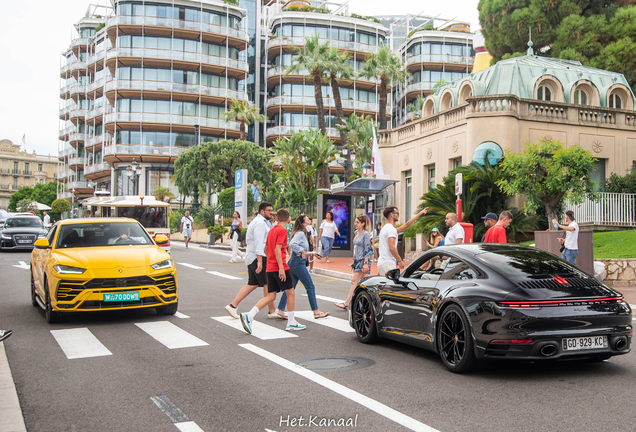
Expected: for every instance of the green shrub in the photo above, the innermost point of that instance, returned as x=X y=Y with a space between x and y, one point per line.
x=175 y=220
x=205 y=216
x=60 y=206
x=218 y=231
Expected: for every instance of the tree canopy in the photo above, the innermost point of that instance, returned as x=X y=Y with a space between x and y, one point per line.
x=245 y=113
x=42 y=193
x=211 y=166
x=547 y=173
x=598 y=33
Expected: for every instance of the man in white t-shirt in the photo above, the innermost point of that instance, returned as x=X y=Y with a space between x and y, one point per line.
x=388 y=257
x=186 y=227
x=455 y=232
x=571 y=240
x=46 y=220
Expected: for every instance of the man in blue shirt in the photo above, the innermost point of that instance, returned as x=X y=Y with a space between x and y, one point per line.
x=256 y=191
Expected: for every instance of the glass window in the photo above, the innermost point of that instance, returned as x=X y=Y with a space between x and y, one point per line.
x=580 y=97
x=458 y=270
x=408 y=182
x=519 y=265
x=298 y=30
x=544 y=93
x=150 y=74
x=124 y=41
x=615 y=101
x=135 y=105
x=430 y=177
x=137 y=41
x=163 y=107
x=150 y=42
x=124 y=9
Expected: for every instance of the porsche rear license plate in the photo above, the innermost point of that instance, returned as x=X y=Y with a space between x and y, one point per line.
x=583 y=343
x=117 y=297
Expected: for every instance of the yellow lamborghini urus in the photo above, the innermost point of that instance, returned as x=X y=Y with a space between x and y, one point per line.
x=86 y=265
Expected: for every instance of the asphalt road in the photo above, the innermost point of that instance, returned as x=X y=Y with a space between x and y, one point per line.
x=138 y=371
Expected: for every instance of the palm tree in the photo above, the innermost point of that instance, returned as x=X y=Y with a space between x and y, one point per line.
x=313 y=57
x=161 y=193
x=416 y=108
x=386 y=66
x=337 y=67
x=245 y=113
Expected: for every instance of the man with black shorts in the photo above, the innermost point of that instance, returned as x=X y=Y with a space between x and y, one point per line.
x=279 y=277
x=256 y=260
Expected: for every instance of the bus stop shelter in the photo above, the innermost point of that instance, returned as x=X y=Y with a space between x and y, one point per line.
x=340 y=200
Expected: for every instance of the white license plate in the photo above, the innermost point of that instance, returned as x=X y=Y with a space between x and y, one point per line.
x=583 y=343
x=24 y=241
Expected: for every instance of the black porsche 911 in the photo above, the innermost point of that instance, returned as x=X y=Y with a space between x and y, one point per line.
x=485 y=301
x=21 y=232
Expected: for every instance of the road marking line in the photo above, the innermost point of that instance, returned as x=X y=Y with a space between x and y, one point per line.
x=180 y=315
x=330 y=299
x=352 y=395
x=170 y=335
x=22 y=265
x=79 y=343
x=223 y=275
x=260 y=330
x=327 y=280
x=330 y=321
x=174 y=413
x=191 y=266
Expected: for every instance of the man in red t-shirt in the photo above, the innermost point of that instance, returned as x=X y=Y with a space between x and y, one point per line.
x=279 y=277
x=497 y=233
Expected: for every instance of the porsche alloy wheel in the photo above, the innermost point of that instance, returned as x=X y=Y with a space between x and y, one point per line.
x=364 y=318
x=454 y=340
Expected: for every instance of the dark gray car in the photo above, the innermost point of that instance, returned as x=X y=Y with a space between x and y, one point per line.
x=21 y=232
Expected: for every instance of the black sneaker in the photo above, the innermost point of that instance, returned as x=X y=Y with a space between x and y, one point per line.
x=5 y=334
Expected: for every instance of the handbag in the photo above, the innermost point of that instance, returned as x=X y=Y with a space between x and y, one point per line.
x=562 y=248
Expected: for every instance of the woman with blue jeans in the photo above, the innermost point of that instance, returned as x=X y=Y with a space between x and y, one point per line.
x=362 y=251
x=297 y=264
x=328 y=230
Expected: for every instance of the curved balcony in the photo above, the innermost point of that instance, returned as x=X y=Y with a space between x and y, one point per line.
x=96 y=85
x=76 y=163
x=97 y=170
x=347 y=104
x=64 y=174
x=236 y=68
x=95 y=58
x=439 y=59
x=215 y=124
x=76 y=138
x=337 y=43
x=65 y=195
x=272 y=133
x=79 y=43
x=68 y=69
x=236 y=37
x=64 y=112
x=97 y=142
x=67 y=130
x=136 y=86
x=93 y=113
x=141 y=153
x=80 y=187
x=72 y=90
x=276 y=71
x=77 y=114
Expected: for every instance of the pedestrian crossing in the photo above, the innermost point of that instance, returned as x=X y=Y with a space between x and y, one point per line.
x=81 y=343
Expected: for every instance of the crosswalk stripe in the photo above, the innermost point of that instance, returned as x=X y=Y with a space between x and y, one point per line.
x=181 y=315
x=196 y=267
x=330 y=299
x=223 y=275
x=170 y=335
x=260 y=330
x=330 y=321
x=79 y=343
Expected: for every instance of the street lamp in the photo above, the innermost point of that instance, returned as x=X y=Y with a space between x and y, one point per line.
x=132 y=171
x=366 y=169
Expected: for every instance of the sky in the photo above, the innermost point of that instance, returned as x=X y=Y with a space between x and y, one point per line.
x=33 y=34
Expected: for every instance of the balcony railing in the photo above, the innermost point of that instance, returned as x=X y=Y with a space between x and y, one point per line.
x=98 y=83
x=79 y=185
x=67 y=152
x=328 y=102
x=144 y=150
x=440 y=58
x=76 y=137
x=65 y=195
x=77 y=64
x=177 y=23
x=170 y=118
x=614 y=209
x=178 y=55
x=67 y=130
x=65 y=174
x=174 y=87
x=99 y=139
x=337 y=43
x=77 y=113
x=16 y=171
x=101 y=166
x=287 y=130
x=76 y=161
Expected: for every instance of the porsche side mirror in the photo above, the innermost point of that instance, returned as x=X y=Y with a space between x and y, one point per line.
x=393 y=274
x=41 y=244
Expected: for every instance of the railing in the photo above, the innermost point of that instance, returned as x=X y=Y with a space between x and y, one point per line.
x=65 y=174
x=597 y=116
x=79 y=185
x=66 y=152
x=287 y=130
x=497 y=104
x=83 y=41
x=170 y=118
x=92 y=141
x=440 y=58
x=27 y=172
x=77 y=113
x=327 y=102
x=98 y=83
x=16 y=171
x=65 y=195
x=610 y=209
x=66 y=110
x=342 y=44
x=177 y=23
x=67 y=130
x=178 y=55
x=76 y=161
x=5 y=171
x=77 y=64
x=143 y=149
x=76 y=137
x=174 y=87
x=102 y=166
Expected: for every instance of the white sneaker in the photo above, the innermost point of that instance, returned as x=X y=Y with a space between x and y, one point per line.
x=295 y=327
x=312 y=272
x=232 y=312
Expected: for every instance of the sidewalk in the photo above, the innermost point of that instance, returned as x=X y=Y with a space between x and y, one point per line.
x=11 y=419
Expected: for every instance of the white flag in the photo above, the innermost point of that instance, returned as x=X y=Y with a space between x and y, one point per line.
x=375 y=158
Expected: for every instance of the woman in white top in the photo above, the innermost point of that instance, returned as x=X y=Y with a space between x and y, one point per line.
x=362 y=251
x=328 y=230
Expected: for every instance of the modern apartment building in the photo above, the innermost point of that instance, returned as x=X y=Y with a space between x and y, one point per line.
x=20 y=168
x=290 y=104
x=143 y=82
